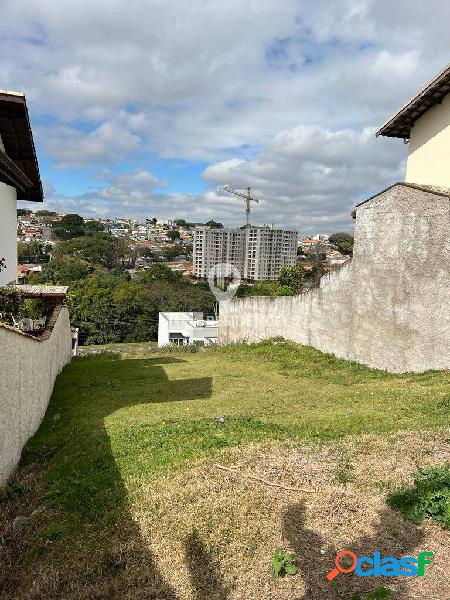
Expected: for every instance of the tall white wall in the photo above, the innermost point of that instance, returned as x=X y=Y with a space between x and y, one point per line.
x=389 y=309
x=28 y=368
x=8 y=232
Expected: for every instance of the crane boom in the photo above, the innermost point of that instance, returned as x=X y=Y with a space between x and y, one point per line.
x=247 y=197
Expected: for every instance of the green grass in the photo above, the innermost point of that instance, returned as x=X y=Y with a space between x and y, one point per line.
x=117 y=420
x=113 y=421
x=131 y=345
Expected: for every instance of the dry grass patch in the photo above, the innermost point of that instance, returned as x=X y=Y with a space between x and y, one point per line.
x=214 y=533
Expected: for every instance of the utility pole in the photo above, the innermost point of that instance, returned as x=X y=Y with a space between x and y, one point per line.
x=247 y=197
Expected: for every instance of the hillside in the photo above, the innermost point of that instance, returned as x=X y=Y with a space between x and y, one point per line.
x=119 y=493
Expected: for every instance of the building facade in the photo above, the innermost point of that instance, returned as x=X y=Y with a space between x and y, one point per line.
x=424 y=123
x=19 y=176
x=257 y=252
x=184 y=328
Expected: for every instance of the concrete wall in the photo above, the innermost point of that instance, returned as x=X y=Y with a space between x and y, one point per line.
x=28 y=368
x=429 y=158
x=389 y=308
x=8 y=232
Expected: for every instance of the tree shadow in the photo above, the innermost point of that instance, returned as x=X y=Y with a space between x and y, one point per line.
x=315 y=556
x=96 y=549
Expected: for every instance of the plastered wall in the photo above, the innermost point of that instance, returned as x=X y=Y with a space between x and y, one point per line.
x=28 y=369
x=389 y=308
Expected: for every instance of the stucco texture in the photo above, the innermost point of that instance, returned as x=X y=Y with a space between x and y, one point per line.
x=389 y=308
x=28 y=368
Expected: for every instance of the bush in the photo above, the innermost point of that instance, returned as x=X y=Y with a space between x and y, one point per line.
x=10 y=302
x=429 y=497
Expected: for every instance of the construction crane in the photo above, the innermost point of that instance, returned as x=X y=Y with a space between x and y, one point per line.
x=247 y=197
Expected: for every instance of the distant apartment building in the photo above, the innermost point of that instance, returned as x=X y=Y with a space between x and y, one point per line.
x=183 y=328
x=257 y=252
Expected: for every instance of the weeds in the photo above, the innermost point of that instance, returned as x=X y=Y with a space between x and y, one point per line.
x=429 y=497
x=283 y=564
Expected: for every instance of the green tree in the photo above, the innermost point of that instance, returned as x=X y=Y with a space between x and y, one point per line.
x=34 y=251
x=23 y=212
x=45 y=213
x=292 y=277
x=97 y=249
x=93 y=226
x=62 y=270
x=159 y=272
x=214 y=224
x=70 y=226
x=343 y=242
x=170 y=252
x=173 y=234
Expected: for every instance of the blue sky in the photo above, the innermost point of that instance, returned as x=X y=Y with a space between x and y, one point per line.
x=144 y=108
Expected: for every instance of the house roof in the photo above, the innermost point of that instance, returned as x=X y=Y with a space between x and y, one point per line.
x=18 y=162
x=429 y=189
x=43 y=291
x=400 y=124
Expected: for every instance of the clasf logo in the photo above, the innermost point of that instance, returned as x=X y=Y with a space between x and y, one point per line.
x=376 y=566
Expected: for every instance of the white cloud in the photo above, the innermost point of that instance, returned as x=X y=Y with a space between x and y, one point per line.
x=218 y=82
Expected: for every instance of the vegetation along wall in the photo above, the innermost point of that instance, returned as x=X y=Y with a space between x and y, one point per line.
x=28 y=368
x=389 y=308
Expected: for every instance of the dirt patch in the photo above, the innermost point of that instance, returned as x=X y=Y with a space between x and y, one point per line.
x=214 y=532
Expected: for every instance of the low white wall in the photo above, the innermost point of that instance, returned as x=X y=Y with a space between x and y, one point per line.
x=8 y=232
x=389 y=309
x=28 y=369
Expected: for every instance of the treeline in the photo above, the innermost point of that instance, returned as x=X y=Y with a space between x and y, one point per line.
x=106 y=303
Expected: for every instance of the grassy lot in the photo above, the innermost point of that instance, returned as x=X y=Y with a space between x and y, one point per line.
x=119 y=424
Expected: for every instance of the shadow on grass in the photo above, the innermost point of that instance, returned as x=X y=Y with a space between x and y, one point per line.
x=84 y=543
x=315 y=557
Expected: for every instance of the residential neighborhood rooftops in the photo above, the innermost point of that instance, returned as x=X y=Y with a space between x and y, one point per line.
x=400 y=124
x=18 y=162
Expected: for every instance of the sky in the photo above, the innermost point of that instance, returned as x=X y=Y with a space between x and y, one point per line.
x=144 y=108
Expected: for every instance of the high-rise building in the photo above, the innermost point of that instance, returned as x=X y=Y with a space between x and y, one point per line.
x=257 y=252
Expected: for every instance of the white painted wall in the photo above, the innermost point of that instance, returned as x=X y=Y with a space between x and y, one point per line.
x=28 y=370
x=8 y=232
x=429 y=144
x=163 y=331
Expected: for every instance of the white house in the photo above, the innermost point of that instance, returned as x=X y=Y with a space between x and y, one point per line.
x=424 y=123
x=182 y=328
x=19 y=176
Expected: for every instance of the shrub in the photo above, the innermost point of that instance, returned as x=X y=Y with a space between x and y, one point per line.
x=429 y=497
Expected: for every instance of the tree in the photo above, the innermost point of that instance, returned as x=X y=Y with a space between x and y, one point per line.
x=97 y=249
x=23 y=212
x=45 y=213
x=181 y=222
x=159 y=272
x=170 y=252
x=173 y=234
x=93 y=226
x=63 y=270
x=343 y=242
x=34 y=251
x=292 y=277
x=70 y=226
x=214 y=224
